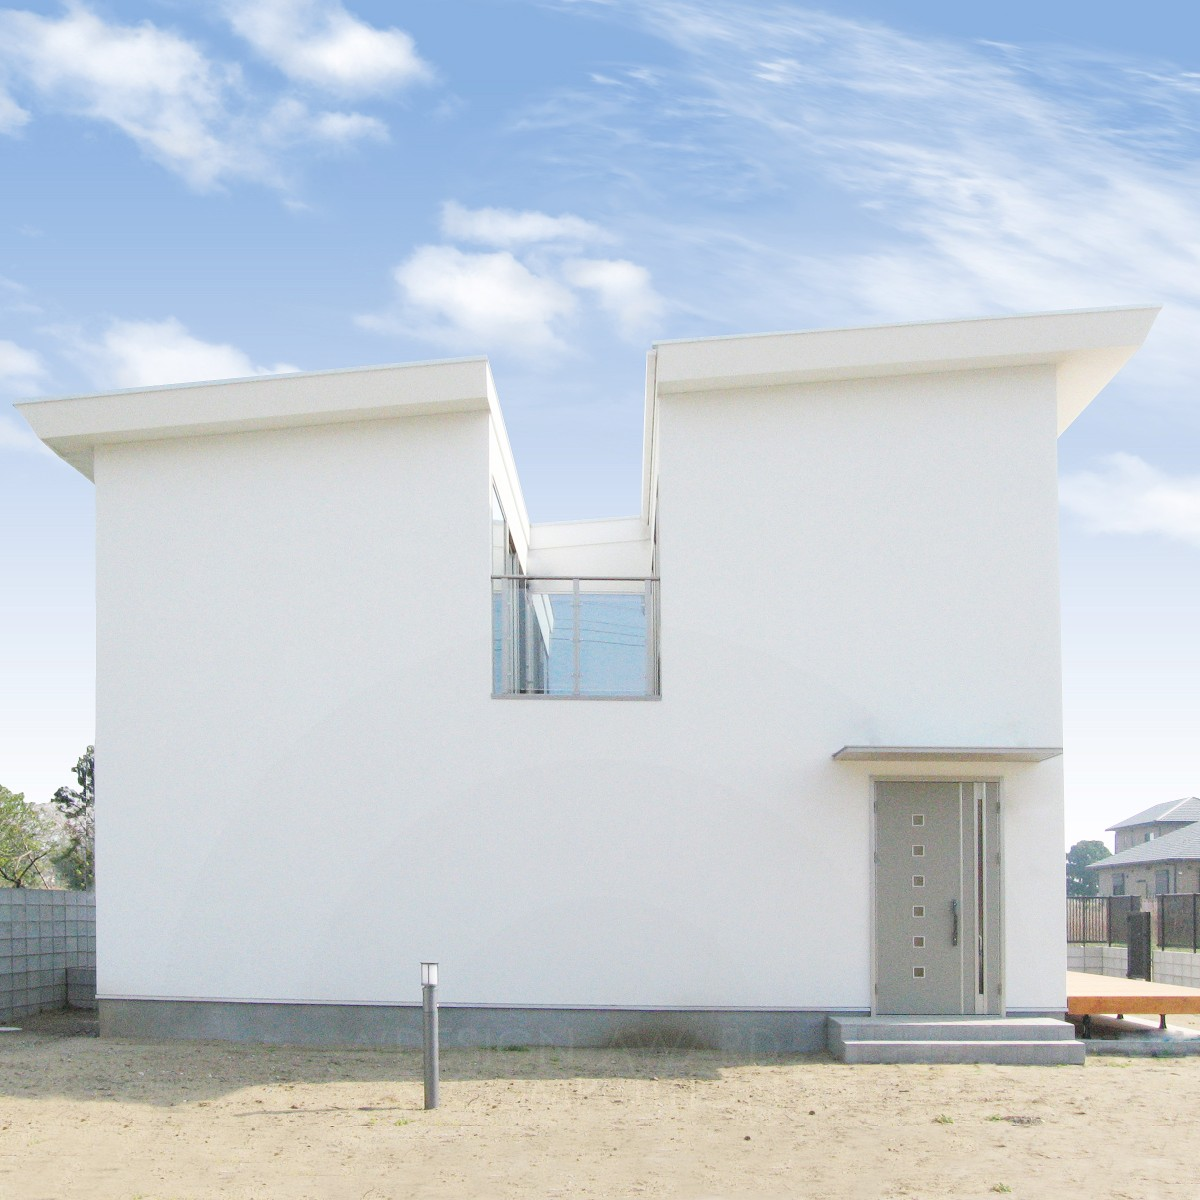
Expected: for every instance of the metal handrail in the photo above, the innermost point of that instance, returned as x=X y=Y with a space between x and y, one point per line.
x=583 y=578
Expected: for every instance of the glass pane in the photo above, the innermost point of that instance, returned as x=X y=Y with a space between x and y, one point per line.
x=552 y=637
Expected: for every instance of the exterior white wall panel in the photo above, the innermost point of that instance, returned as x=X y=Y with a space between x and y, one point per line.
x=305 y=786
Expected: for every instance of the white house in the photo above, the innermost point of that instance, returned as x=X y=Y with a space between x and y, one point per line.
x=783 y=745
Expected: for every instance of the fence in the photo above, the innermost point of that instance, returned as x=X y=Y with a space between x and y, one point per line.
x=1175 y=920
x=47 y=950
x=1099 y=919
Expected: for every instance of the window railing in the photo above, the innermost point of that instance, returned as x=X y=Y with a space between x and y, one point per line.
x=575 y=637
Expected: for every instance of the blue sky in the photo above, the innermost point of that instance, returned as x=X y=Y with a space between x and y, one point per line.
x=202 y=190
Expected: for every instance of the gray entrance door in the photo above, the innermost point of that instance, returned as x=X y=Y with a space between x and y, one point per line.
x=937 y=912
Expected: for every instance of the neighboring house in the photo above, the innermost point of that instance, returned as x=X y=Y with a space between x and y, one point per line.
x=784 y=744
x=1154 y=822
x=1158 y=852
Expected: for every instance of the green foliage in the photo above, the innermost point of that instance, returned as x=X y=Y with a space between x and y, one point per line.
x=76 y=862
x=28 y=843
x=1080 y=855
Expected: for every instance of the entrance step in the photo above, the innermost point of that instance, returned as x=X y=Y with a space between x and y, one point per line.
x=1042 y=1041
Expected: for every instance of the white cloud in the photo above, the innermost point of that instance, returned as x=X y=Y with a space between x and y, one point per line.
x=15 y=437
x=189 y=113
x=291 y=121
x=477 y=301
x=1127 y=495
x=622 y=288
x=151 y=353
x=318 y=42
x=151 y=84
x=507 y=228
x=19 y=364
x=21 y=371
x=12 y=115
x=520 y=298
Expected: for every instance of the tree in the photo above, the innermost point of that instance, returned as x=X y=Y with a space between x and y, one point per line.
x=1080 y=855
x=77 y=863
x=27 y=843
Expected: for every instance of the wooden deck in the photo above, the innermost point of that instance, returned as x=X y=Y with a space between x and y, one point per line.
x=1090 y=995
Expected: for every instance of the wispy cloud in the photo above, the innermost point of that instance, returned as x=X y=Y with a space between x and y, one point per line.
x=18 y=364
x=506 y=228
x=1127 y=495
x=622 y=288
x=12 y=115
x=519 y=297
x=969 y=177
x=21 y=373
x=192 y=114
x=150 y=353
x=318 y=42
x=16 y=437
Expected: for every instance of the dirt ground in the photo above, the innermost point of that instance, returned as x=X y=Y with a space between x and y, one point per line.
x=120 y=1120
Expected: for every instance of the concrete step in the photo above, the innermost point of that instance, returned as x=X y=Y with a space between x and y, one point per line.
x=1023 y=1053
x=948 y=1029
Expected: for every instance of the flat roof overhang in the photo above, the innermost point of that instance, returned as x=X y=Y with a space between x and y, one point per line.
x=1086 y=347
x=73 y=426
x=947 y=754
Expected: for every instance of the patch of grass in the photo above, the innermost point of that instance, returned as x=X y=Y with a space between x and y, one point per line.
x=942 y=1119
x=515 y=1049
x=1001 y=1187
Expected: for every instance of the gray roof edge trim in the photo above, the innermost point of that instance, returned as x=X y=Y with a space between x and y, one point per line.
x=1008 y=316
x=263 y=378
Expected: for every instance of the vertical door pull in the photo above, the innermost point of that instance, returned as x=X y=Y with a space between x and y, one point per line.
x=954 y=922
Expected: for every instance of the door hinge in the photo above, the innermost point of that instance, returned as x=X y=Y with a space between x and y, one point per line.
x=997 y=858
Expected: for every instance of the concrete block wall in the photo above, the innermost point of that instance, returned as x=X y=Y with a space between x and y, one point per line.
x=43 y=936
x=1170 y=966
x=1097 y=959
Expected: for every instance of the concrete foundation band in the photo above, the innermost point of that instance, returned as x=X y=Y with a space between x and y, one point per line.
x=749 y=1031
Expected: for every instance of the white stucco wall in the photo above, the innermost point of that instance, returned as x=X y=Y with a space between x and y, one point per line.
x=870 y=562
x=306 y=787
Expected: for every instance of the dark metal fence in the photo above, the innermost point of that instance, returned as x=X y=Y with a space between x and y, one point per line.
x=1100 y=919
x=1175 y=918
x=1104 y=919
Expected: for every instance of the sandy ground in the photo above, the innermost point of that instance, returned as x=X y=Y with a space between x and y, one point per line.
x=81 y=1117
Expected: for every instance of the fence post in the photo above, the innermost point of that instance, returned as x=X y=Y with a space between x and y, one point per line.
x=1108 y=918
x=1162 y=922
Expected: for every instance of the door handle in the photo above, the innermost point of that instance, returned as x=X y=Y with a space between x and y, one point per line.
x=954 y=922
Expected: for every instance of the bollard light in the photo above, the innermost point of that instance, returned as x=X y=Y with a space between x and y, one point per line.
x=429 y=1022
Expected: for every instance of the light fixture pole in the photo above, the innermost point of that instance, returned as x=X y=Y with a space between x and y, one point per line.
x=429 y=979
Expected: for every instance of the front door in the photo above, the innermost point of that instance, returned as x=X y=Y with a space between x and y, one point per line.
x=937 y=910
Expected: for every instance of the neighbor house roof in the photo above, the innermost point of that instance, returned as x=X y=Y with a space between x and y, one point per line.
x=1181 y=845
x=1187 y=809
